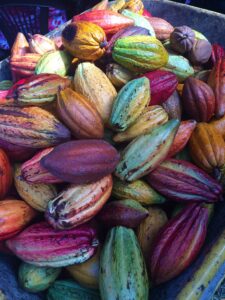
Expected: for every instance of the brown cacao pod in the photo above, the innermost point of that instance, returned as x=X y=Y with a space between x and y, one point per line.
x=182 y=39
x=207 y=147
x=198 y=100
x=82 y=161
x=5 y=174
x=217 y=82
x=162 y=28
x=79 y=115
x=200 y=52
x=14 y=216
x=173 y=106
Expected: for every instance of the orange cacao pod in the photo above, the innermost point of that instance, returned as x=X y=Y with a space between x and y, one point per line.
x=5 y=174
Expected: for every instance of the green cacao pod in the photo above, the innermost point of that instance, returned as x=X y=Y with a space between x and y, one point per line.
x=36 y=279
x=140 y=53
x=146 y=152
x=129 y=103
x=70 y=290
x=5 y=85
x=54 y=62
x=180 y=66
x=123 y=274
x=137 y=190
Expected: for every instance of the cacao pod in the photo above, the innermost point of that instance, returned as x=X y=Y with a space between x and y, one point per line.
x=180 y=66
x=132 y=283
x=20 y=45
x=38 y=89
x=41 y=245
x=14 y=216
x=146 y=152
x=207 y=147
x=68 y=290
x=84 y=40
x=82 y=161
x=130 y=103
x=92 y=82
x=182 y=136
x=31 y=127
x=110 y=21
x=139 y=20
x=149 y=228
x=218 y=52
x=54 y=62
x=78 y=203
x=150 y=118
x=36 y=279
x=178 y=243
x=36 y=195
x=118 y=75
x=198 y=100
x=137 y=190
x=219 y=125
x=41 y=44
x=136 y=6
x=173 y=106
x=162 y=85
x=217 y=82
x=33 y=172
x=87 y=273
x=162 y=28
x=200 y=52
x=5 y=174
x=182 y=181
x=79 y=115
x=140 y=53
x=128 y=31
x=128 y=213
x=182 y=39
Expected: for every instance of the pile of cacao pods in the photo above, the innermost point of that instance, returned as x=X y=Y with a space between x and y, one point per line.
x=112 y=153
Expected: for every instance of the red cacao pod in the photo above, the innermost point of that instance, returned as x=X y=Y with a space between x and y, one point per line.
x=198 y=100
x=162 y=85
x=110 y=21
x=178 y=243
x=5 y=174
x=182 y=136
x=217 y=82
x=182 y=181
x=146 y=13
x=14 y=216
x=81 y=161
x=218 y=52
x=41 y=245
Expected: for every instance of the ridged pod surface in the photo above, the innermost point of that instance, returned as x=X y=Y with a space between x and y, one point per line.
x=31 y=127
x=36 y=279
x=207 y=147
x=93 y=83
x=182 y=181
x=140 y=53
x=81 y=161
x=41 y=245
x=14 y=216
x=81 y=117
x=69 y=289
x=5 y=174
x=150 y=118
x=123 y=275
x=78 y=203
x=36 y=195
x=146 y=152
x=178 y=243
x=129 y=103
x=110 y=21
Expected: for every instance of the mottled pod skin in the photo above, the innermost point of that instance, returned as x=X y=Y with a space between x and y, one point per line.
x=5 y=174
x=198 y=100
x=81 y=161
x=109 y=21
x=178 y=243
x=78 y=203
x=31 y=127
x=41 y=245
x=14 y=216
x=182 y=181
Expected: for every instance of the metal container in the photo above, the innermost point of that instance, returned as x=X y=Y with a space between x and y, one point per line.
x=212 y=25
